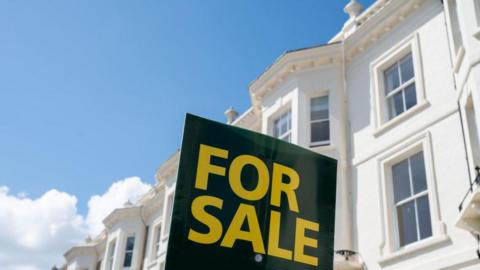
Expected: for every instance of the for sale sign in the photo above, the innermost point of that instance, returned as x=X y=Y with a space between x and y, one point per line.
x=249 y=201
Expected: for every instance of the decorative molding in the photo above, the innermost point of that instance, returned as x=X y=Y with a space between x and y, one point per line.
x=290 y=63
x=376 y=21
x=168 y=169
x=120 y=214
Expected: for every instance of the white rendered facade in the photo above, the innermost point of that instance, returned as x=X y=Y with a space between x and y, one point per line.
x=395 y=97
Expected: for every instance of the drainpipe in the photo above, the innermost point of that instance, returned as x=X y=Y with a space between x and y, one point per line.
x=345 y=164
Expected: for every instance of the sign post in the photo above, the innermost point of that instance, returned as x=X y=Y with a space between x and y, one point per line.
x=249 y=201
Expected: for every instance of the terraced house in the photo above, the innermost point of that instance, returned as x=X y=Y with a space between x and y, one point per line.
x=395 y=98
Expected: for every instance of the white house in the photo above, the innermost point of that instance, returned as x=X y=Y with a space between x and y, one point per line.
x=395 y=97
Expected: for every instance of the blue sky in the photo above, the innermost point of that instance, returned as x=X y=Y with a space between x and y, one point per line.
x=96 y=91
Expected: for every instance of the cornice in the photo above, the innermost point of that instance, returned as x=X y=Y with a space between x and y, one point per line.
x=380 y=19
x=81 y=250
x=291 y=63
x=247 y=120
x=168 y=169
x=119 y=214
x=152 y=205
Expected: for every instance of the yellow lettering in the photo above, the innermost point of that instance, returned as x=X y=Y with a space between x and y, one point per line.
x=214 y=225
x=204 y=167
x=234 y=177
x=301 y=241
x=273 y=238
x=278 y=186
x=234 y=231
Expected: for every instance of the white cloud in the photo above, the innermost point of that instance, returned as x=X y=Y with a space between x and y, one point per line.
x=99 y=206
x=35 y=233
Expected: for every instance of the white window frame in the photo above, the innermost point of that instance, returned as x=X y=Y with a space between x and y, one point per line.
x=288 y=133
x=409 y=45
x=476 y=5
x=471 y=142
x=157 y=239
x=125 y=251
x=110 y=254
x=457 y=46
x=167 y=218
x=411 y=198
x=310 y=121
x=390 y=249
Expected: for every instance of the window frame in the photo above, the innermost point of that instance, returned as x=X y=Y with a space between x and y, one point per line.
x=288 y=133
x=390 y=248
x=471 y=131
x=409 y=45
x=157 y=238
x=476 y=5
x=126 y=250
x=167 y=219
x=276 y=115
x=310 y=121
x=110 y=254
x=411 y=198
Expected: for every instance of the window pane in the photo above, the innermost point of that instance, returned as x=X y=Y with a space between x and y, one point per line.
x=395 y=104
x=410 y=96
x=287 y=138
x=282 y=125
x=128 y=259
x=319 y=108
x=424 y=219
x=275 y=128
x=320 y=131
x=419 y=178
x=130 y=242
x=407 y=226
x=401 y=181
x=406 y=68
x=391 y=78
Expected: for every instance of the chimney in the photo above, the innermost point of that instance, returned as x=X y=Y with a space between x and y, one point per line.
x=231 y=115
x=353 y=9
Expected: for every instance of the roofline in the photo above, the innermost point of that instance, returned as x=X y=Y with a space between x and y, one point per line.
x=285 y=53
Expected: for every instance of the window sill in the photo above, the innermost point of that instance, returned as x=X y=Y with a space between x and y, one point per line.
x=322 y=147
x=401 y=118
x=152 y=264
x=412 y=249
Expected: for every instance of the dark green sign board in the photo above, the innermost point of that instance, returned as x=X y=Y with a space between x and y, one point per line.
x=249 y=201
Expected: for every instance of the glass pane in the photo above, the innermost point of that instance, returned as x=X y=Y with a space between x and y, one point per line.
x=424 y=219
x=130 y=242
x=395 y=104
x=419 y=177
x=406 y=68
x=410 y=96
x=282 y=125
x=275 y=129
x=392 y=81
x=401 y=181
x=319 y=108
x=128 y=259
x=407 y=226
x=288 y=118
x=287 y=138
x=159 y=231
x=320 y=131
x=112 y=249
